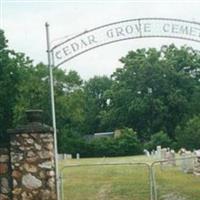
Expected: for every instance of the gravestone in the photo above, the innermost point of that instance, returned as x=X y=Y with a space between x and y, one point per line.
x=68 y=156
x=61 y=157
x=197 y=163
x=158 y=150
x=77 y=156
x=163 y=153
x=146 y=152
x=187 y=164
x=153 y=153
x=170 y=157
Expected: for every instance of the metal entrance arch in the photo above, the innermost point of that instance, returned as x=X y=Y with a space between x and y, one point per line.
x=124 y=30
x=108 y=34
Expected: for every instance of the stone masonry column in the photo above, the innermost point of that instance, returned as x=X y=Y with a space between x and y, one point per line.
x=5 y=186
x=32 y=160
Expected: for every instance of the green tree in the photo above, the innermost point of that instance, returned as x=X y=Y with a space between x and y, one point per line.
x=96 y=102
x=69 y=100
x=128 y=143
x=154 y=89
x=13 y=67
x=159 y=139
x=33 y=93
x=188 y=135
x=25 y=86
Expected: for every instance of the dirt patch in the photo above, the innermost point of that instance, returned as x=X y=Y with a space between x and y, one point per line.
x=103 y=193
x=173 y=196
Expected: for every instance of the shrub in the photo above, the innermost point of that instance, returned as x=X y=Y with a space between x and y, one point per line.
x=125 y=144
x=189 y=134
x=160 y=138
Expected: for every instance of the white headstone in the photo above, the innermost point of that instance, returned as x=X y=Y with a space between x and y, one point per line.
x=68 y=156
x=170 y=157
x=187 y=164
x=146 y=152
x=163 y=153
x=77 y=156
x=158 y=150
x=197 y=163
x=153 y=153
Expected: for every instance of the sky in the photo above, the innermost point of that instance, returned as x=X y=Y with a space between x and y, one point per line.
x=24 y=26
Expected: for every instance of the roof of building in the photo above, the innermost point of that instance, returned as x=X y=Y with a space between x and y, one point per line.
x=104 y=134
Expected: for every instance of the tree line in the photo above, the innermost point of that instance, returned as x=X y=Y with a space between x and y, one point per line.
x=153 y=99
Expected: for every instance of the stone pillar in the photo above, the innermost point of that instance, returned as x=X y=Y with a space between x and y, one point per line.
x=32 y=160
x=5 y=181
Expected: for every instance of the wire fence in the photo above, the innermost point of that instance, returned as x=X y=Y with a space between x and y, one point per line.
x=106 y=181
x=175 y=179
x=160 y=180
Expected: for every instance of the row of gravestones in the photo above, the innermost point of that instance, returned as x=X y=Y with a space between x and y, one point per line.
x=67 y=156
x=189 y=161
x=161 y=153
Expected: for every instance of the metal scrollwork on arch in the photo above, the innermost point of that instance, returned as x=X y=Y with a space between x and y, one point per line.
x=124 y=30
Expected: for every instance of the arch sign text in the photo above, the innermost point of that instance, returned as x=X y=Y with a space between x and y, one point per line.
x=124 y=30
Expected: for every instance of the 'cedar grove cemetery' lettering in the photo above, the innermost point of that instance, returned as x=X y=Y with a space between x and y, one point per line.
x=123 y=31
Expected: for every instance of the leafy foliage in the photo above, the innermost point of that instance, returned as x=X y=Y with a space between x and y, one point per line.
x=13 y=68
x=125 y=144
x=188 y=135
x=96 y=103
x=153 y=90
x=156 y=93
x=157 y=139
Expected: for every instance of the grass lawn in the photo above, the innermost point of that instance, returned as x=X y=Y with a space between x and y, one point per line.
x=125 y=182
x=173 y=182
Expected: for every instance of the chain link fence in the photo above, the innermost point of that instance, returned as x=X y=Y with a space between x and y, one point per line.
x=115 y=181
x=173 y=179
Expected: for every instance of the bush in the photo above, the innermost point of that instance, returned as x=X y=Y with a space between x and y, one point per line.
x=70 y=141
x=128 y=143
x=160 y=138
x=188 y=135
x=125 y=144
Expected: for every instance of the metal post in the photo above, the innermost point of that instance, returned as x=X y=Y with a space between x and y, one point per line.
x=154 y=183
x=53 y=110
x=151 y=182
x=62 y=186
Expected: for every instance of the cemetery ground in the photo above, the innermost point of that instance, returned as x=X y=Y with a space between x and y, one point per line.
x=126 y=182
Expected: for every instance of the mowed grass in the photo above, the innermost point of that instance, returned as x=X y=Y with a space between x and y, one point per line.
x=172 y=182
x=125 y=182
